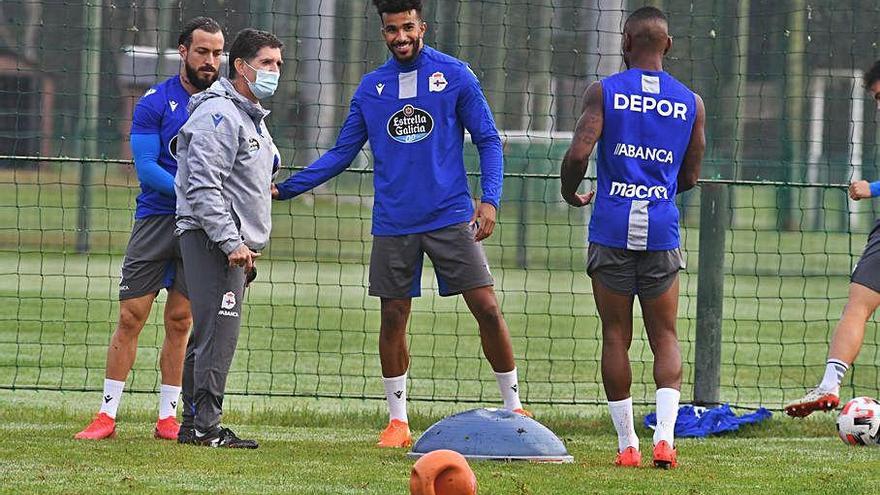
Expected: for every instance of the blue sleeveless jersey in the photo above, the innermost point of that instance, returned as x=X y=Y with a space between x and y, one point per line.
x=648 y=118
x=162 y=111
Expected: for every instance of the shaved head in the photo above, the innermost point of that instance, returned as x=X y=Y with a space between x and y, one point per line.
x=646 y=31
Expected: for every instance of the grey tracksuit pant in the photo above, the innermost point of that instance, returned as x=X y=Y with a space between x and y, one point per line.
x=216 y=291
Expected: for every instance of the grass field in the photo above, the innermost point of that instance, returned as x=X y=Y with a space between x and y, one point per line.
x=326 y=447
x=309 y=328
x=307 y=355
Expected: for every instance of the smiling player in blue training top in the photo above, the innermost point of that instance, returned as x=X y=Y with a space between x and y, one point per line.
x=414 y=110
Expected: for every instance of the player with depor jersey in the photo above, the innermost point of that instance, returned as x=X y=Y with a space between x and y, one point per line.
x=152 y=258
x=414 y=109
x=862 y=301
x=648 y=130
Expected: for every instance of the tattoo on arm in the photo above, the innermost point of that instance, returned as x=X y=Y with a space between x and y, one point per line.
x=587 y=132
x=589 y=125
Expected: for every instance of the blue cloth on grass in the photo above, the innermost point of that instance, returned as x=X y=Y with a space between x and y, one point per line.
x=696 y=421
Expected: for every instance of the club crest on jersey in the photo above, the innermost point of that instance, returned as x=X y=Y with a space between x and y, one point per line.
x=437 y=82
x=253 y=145
x=410 y=125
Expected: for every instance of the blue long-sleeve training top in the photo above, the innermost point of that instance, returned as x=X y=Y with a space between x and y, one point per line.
x=158 y=116
x=145 y=149
x=414 y=116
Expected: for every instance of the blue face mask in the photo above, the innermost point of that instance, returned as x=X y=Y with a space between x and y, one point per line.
x=265 y=84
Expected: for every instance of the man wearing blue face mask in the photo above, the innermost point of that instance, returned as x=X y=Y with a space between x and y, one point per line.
x=225 y=160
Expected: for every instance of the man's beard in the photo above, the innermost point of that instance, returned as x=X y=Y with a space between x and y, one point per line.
x=414 y=50
x=192 y=74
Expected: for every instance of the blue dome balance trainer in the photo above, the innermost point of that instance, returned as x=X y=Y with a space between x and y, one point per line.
x=493 y=434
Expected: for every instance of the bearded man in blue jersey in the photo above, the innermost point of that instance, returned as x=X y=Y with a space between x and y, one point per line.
x=152 y=259
x=649 y=132
x=414 y=110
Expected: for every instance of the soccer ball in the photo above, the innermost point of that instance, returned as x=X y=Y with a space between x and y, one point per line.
x=859 y=422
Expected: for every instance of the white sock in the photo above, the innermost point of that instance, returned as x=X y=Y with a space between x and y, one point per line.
x=622 y=417
x=667 y=412
x=168 y=397
x=835 y=369
x=112 y=395
x=395 y=394
x=509 y=386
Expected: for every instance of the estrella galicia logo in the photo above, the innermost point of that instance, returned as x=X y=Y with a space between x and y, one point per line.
x=172 y=147
x=410 y=125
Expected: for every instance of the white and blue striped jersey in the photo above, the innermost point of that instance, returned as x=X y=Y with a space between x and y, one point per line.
x=648 y=118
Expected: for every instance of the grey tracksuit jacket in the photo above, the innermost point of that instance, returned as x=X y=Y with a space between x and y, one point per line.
x=224 y=169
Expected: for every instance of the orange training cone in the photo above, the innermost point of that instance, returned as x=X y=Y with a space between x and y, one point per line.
x=442 y=472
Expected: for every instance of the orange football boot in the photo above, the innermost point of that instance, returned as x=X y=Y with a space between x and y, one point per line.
x=524 y=412
x=630 y=457
x=103 y=426
x=167 y=428
x=664 y=455
x=395 y=435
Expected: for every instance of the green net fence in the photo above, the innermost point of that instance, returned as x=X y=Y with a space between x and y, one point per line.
x=788 y=126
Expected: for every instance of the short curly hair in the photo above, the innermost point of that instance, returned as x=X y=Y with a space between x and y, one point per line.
x=872 y=76
x=396 y=6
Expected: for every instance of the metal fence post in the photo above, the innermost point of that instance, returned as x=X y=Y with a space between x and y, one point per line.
x=87 y=126
x=522 y=233
x=714 y=219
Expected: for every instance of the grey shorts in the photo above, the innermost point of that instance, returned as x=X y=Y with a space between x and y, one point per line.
x=459 y=262
x=647 y=274
x=152 y=259
x=867 y=269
